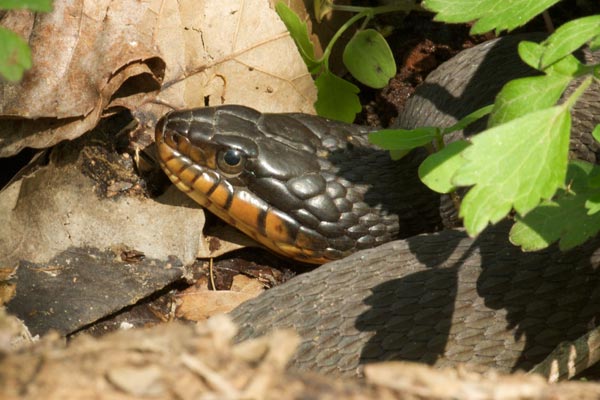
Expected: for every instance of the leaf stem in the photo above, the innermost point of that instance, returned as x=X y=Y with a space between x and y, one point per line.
x=325 y=58
x=408 y=5
x=578 y=92
x=439 y=140
x=363 y=12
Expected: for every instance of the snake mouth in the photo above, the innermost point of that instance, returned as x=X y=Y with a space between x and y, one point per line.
x=185 y=165
x=176 y=143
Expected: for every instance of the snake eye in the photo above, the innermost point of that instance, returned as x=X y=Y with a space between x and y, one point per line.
x=231 y=161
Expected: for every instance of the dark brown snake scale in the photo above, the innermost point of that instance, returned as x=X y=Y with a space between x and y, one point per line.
x=439 y=298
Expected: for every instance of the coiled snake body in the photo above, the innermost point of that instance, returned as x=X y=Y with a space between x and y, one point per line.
x=315 y=190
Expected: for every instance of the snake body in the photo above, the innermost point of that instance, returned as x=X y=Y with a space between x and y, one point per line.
x=315 y=190
x=440 y=298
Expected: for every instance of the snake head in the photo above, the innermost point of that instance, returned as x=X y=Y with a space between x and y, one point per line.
x=290 y=181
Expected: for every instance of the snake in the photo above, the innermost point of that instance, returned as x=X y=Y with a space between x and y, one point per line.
x=394 y=284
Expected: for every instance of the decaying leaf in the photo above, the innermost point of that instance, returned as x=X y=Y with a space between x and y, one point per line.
x=198 y=302
x=200 y=362
x=92 y=58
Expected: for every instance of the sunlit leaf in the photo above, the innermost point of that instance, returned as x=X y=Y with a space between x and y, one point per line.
x=336 y=98
x=488 y=14
x=515 y=164
x=369 y=59
x=438 y=169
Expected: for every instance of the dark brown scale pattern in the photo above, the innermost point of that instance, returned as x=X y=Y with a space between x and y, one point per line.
x=441 y=299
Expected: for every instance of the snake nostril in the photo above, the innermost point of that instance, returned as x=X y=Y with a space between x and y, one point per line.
x=174 y=139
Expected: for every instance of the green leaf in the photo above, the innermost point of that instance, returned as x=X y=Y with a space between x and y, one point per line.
x=568 y=38
x=403 y=139
x=468 y=120
x=398 y=154
x=369 y=59
x=34 y=5
x=491 y=14
x=514 y=165
x=437 y=170
x=563 y=218
x=321 y=8
x=531 y=53
x=299 y=32
x=522 y=96
x=15 y=56
x=595 y=43
x=596 y=133
x=593 y=204
x=336 y=98
x=594 y=178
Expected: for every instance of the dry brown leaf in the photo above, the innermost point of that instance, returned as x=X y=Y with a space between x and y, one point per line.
x=199 y=303
x=176 y=361
x=221 y=239
x=453 y=383
x=93 y=56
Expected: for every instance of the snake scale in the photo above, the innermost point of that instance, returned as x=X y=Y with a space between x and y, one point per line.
x=440 y=298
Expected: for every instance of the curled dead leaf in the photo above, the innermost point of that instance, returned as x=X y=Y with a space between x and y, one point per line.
x=149 y=56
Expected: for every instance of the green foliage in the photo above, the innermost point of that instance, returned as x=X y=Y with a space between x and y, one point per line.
x=570 y=217
x=438 y=169
x=569 y=38
x=520 y=162
x=33 y=5
x=369 y=59
x=336 y=98
x=367 y=56
x=299 y=31
x=15 y=55
x=490 y=14
x=404 y=139
x=596 y=133
x=408 y=139
x=526 y=95
x=508 y=166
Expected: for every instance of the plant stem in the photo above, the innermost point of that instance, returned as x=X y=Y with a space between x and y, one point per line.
x=408 y=5
x=362 y=12
x=578 y=92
